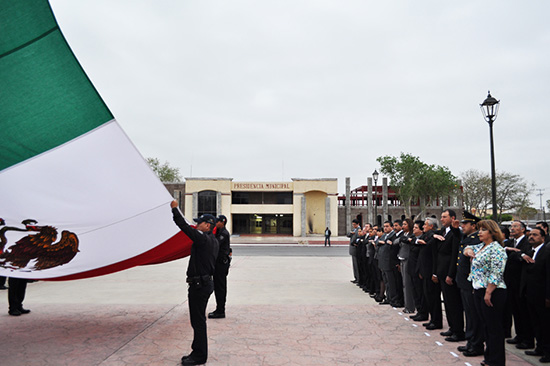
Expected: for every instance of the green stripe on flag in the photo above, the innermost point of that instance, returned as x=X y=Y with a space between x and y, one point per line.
x=46 y=98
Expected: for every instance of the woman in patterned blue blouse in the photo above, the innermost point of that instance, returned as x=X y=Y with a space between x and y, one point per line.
x=488 y=262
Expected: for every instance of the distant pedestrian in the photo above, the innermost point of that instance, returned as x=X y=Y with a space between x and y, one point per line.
x=327 y=236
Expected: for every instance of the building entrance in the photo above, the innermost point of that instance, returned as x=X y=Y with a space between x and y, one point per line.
x=262 y=224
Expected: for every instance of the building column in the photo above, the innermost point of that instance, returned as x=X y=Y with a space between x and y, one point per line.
x=327 y=212
x=303 y=215
x=297 y=219
x=177 y=197
x=348 y=204
x=370 y=210
x=384 y=199
x=218 y=203
x=195 y=204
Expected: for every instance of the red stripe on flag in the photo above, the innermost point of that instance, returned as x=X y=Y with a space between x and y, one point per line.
x=178 y=246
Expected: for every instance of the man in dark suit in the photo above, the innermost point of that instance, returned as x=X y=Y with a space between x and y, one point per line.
x=363 y=259
x=385 y=262
x=373 y=282
x=446 y=252
x=361 y=253
x=535 y=288
x=544 y=226
x=397 y=278
x=425 y=268
x=516 y=248
x=327 y=236
x=352 y=235
x=414 y=270
x=474 y=329
x=381 y=287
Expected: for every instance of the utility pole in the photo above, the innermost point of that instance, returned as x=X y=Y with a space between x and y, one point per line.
x=540 y=194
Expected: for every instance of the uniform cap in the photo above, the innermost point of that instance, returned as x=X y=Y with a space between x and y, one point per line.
x=468 y=217
x=222 y=218
x=210 y=219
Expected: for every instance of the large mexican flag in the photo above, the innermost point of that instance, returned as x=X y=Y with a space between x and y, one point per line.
x=76 y=197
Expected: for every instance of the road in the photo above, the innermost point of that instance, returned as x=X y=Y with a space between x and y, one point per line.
x=290 y=251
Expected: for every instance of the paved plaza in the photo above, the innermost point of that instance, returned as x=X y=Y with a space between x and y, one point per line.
x=281 y=310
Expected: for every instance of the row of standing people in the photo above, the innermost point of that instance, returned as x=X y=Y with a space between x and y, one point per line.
x=413 y=264
x=527 y=277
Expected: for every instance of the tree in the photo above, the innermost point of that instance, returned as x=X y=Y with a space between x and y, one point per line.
x=525 y=213
x=413 y=179
x=165 y=172
x=477 y=191
x=513 y=191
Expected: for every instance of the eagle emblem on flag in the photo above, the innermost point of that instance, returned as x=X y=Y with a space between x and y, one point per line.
x=37 y=249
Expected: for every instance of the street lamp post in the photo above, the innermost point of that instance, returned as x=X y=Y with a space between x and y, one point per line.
x=489 y=108
x=375 y=177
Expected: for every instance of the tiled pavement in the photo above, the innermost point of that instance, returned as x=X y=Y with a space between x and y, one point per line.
x=281 y=311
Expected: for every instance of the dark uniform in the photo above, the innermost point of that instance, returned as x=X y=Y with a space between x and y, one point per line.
x=222 y=269
x=16 y=295
x=445 y=254
x=327 y=236
x=200 y=270
x=474 y=324
x=431 y=290
x=362 y=262
x=535 y=289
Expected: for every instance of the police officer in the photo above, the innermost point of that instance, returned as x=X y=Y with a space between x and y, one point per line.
x=474 y=331
x=200 y=270
x=16 y=295
x=222 y=268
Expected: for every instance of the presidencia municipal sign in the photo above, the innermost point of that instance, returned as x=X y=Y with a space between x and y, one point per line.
x=263 y=186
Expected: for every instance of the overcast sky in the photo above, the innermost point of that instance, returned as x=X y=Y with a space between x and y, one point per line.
x=269 y=90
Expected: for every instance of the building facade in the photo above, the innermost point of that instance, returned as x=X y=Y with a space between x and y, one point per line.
x=301 y=207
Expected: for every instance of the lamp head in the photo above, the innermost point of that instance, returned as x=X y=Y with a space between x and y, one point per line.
x=375 y=175
x=489 y=108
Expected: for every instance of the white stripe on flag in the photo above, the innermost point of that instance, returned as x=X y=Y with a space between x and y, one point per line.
x=97 y=186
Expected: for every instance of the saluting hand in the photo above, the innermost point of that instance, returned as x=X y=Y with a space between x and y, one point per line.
x=468 y=252
x=174 y=204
